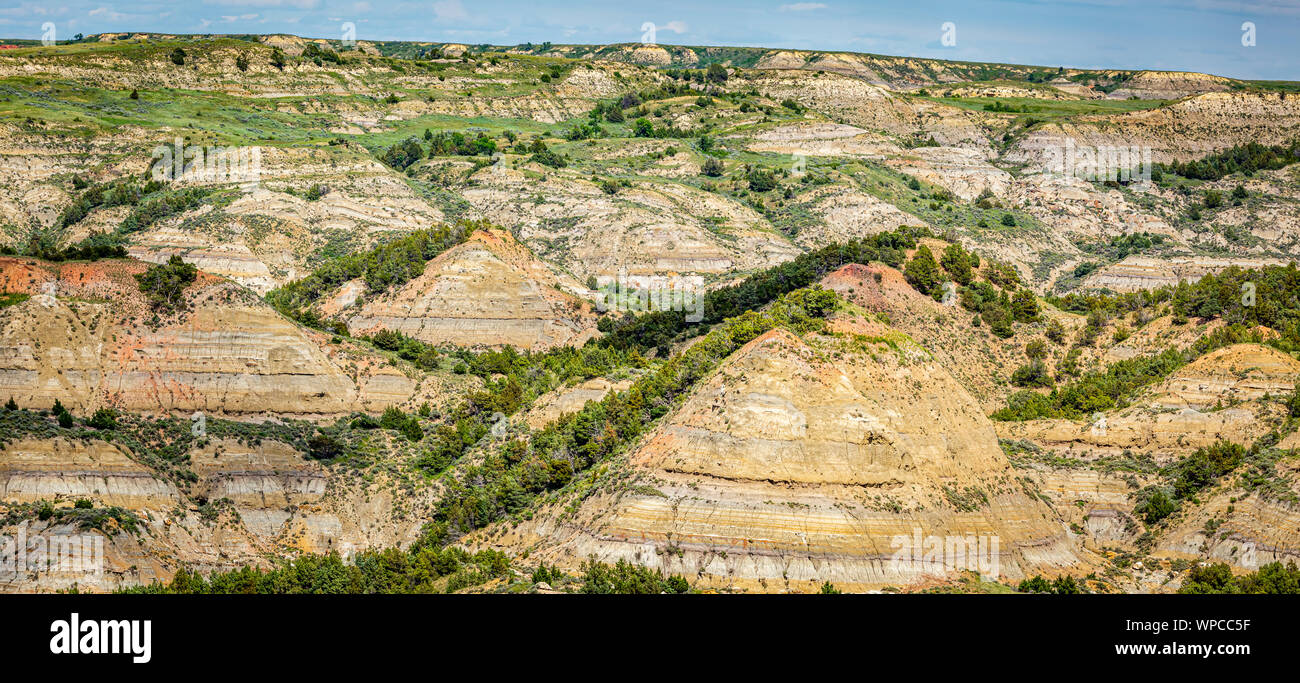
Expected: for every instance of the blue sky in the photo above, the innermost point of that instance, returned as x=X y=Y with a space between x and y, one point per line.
x=1185 y=35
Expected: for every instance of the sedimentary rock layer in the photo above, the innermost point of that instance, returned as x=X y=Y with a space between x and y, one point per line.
x=787 y=468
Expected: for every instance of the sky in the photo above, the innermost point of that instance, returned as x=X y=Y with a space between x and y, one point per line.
x=1181 y=35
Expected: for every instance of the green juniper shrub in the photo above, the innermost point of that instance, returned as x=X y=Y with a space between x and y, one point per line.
x=165 y=284
x=922 y=272
x=103 y=418
x=1154 y=505
x=628 y=579
x=1270 y=579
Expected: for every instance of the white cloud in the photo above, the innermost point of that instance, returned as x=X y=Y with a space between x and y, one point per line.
x=296 y=4
x=449 y=10
x=28 y=9
x=675 y=26
x=802 y=7
x=106 y=13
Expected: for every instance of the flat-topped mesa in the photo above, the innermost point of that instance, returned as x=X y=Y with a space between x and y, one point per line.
x=95 y=342
x=798 y=462
x=1169 y=85
x=488 y=291
x=1183 y=130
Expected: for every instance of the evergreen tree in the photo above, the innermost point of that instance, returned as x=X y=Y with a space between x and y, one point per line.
x=956 y=260
x=1024 y=306
x=104 y=418
x=165 y=283
x=922 y=272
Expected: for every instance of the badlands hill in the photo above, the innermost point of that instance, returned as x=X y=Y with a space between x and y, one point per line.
x=227 y=502
x=894 y=72
x=1183 y=130
x=487 y=291
x=86 y=336
x=1220 y=396
x=799 y=462
x=1170 y=85
x=395 y=309
x=323 y=118
x=1096 y=472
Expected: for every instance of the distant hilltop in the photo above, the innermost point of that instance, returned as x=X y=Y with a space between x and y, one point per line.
x=898 y=73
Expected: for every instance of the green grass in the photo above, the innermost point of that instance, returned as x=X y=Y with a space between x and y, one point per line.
x=1272 y=86
x=891 y=186
x=1004 y=82
x=494 y=127
x=8 y=299
x=82 y=110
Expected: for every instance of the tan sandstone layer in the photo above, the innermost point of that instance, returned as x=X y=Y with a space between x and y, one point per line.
x=785 y=469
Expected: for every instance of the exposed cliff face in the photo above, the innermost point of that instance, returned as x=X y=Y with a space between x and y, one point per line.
x=1136 y=273
x=258 y=501
x=964 y=172
x=269 y=233
x=872 y=107
x=651 y=228
x=1219 y=397
x=975 y=357
x=1165 y=435
x=32 y=470
x=1183 y=130
x=847 y=214
x=1173 y=419
x=1248 y=530
x=1092 y=472
x=1234 y=374
x=820 y=139
x=787 y=468
x=489 y=291
x=94 y=343
x=1169 y=85
x=1098 y=502
x=287 y=502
